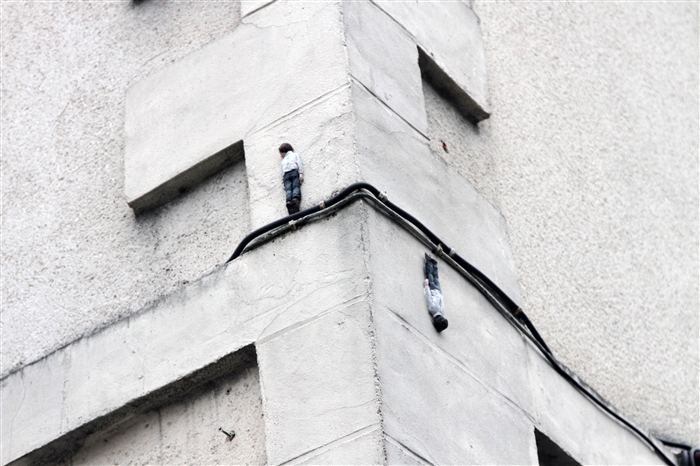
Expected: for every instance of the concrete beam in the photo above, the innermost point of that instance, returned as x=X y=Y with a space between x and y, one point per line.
x=181 y=120
x=577 y=425
x=321 y=386
x=449 y=33
x=438 y=410
x=258 y=296
x=396 y=158
x=322 y=133
x=383 y=57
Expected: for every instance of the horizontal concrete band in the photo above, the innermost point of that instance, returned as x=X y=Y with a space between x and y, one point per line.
x=69 y=443
x=325 y=310
x=186 y=121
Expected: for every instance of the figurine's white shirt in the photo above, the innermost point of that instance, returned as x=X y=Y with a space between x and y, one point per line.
x=291 y=161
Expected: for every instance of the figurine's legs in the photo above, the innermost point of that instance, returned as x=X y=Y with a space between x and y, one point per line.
x=288 y=188
x=431 y=273
x=296 y=189
x=292 y=187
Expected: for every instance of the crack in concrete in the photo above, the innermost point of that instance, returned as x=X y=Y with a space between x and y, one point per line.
x=460 y=365
x=411 y=437
x=19 y=408
x=399 y=444
x=303 y=107
x=345 y=304
x=345 y=407
x=330 y=445
x=385 y=105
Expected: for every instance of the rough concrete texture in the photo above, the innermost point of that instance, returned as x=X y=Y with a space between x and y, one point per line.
x=322 y=133
x=438 y=410
x=591 y=156
x=479 y=383
x=186 y=113
x=361 y=447
x=320 y=386
x=483 y=342
x=578 y=426
x=187 y=431
x=396 y=159
x=399 y=454
x=449 y=33
x=258 y=297
x=383 y=57
x=312 y=283
x=350 y=369
x=74 y=257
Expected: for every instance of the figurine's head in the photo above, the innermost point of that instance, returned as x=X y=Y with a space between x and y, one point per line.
x=284 y=148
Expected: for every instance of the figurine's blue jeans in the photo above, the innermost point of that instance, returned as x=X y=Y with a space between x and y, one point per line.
x=292 y=185
x=431 y=271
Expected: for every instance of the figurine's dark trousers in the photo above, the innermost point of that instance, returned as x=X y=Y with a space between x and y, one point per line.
x=292 y=185
x=431 y=273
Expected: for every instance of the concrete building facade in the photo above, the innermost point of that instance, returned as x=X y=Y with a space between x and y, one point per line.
x=554 y=146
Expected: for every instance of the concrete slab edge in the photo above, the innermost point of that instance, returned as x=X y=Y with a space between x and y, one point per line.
x=179 y=184
x=445 y=85
x=329 y=446
x=405 y=449
x=70 y=442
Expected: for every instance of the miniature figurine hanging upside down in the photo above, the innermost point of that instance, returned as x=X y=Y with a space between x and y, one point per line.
x=433 y=294
x=292 y=176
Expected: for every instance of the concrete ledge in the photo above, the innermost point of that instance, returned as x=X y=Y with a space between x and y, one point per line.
x=449 y=34
x=183 y=118
x=441 y=412
x=450 y=89
x=577 y=425
x=319 y=384
x=254 y=298
x=382 y=56
x=69 y=443
x=187 y=179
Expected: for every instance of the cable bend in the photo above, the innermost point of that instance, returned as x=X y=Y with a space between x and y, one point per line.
x=482 y=283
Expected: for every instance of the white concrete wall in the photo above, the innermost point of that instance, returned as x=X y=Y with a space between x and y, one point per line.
x=187 y=431
x=591 y=155
x=74 y=256
x=78 y=259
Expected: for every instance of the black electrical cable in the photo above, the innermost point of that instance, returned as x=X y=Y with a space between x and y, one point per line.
x=669 y=443
x=483 y=284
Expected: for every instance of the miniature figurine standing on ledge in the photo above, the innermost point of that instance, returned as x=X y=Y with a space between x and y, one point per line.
x=292 y=176
x=433 y=294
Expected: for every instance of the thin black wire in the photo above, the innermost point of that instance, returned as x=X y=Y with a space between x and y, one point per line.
x=484 y=285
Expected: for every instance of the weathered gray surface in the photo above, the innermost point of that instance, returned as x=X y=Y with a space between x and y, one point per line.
x=434 y=406
x=398 y=454
x=319 y=384
x=344 y=359
x=591 y=155
x=383 y=57
x=322 y=133
x=450 y=33
x=187 y=431
x=577 y=425
x=74 y=257
x=395 y=158
x=79 y=259
x=361 y=447
x=183 y=332
x=479 y=339
x=276 y=61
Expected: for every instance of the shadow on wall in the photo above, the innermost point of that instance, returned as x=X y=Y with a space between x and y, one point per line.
x=182 y=422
